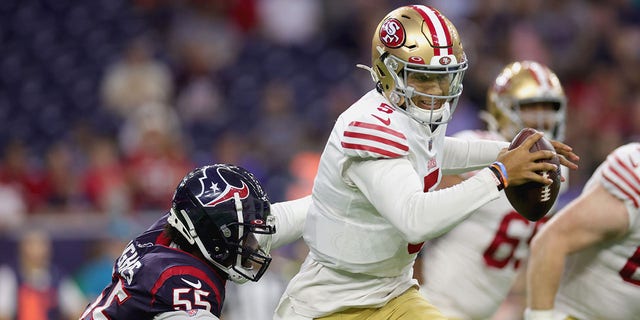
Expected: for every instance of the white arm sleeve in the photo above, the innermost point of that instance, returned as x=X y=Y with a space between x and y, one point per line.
x=395 y=190
x=462 y=155
x=290 y=218
x=199 y=314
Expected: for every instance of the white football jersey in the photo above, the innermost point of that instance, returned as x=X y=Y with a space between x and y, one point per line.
x=469 y=271
x=603 y=282
x=368 y=219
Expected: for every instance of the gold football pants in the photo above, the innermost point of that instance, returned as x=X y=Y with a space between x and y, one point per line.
x=410 y=305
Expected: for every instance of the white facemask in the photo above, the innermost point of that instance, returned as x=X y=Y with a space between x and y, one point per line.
x=429 y=116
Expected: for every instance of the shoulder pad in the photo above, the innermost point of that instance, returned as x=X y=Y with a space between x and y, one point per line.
x=621 y=173
x=364 y=139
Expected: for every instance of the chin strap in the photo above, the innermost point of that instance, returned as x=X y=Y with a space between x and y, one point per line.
x=189 y=233
x=234 y=275
x=374 y=76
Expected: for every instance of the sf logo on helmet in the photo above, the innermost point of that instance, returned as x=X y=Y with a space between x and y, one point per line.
x=392 y=33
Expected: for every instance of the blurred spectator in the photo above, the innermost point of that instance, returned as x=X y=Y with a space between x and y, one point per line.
x=231 y=147
x=104 y=182
x=289 y=22
x=61 y=183
x=147 y=118
x=202 y=30
x=21 y=173
x=278 y=134
x=35 y=289
x=96 y=271
x=13 y=210
x=157 y=158
x=136 y=79
x=200 y=103
x=303 y=169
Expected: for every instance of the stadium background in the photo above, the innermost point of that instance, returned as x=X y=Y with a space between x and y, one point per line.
x=106 y=104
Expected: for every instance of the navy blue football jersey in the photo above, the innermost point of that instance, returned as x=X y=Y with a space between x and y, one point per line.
x=150 y=277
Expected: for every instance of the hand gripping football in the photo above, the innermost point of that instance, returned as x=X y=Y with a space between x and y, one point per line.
x=533 y=200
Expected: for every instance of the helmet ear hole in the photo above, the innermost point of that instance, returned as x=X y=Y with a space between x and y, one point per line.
x=220 y=250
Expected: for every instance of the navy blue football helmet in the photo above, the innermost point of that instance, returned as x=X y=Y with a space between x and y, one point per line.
x=220 y=209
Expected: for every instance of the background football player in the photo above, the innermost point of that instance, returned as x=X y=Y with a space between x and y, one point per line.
x=374 y=200
x=585 y=263
x=469 y=271
x=220 y=227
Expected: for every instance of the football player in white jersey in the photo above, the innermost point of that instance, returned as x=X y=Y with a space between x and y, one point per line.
x=585 y=263
x=374 y=201
x=469 y=271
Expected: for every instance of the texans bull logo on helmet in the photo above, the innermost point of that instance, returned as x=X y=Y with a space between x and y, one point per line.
x=222 y=190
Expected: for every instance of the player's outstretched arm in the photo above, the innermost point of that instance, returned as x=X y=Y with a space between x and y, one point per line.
x=290 y=218
x=593 y=217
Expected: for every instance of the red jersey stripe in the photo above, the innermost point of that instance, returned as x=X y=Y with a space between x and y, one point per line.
x=627 y=169
x=623 y=178
x=377 y=127
x=635 y=202
x=379 y=151
x=371 y=137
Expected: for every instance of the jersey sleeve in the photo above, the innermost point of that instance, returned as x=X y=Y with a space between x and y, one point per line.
x=621 y=177
x=461 y=155
x=368 y=140
x=419 y=215
x=290 y=218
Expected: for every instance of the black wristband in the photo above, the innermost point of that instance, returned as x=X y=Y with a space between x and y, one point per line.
x=496 y=171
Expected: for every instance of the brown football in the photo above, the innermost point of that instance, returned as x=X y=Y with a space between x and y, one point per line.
x=533 y=200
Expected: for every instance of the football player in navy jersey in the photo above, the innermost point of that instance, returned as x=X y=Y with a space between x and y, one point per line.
x=220 y=227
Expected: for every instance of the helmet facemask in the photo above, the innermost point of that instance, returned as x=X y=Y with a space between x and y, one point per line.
x=548 y=120
x=431 y=109
x=249 y=260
